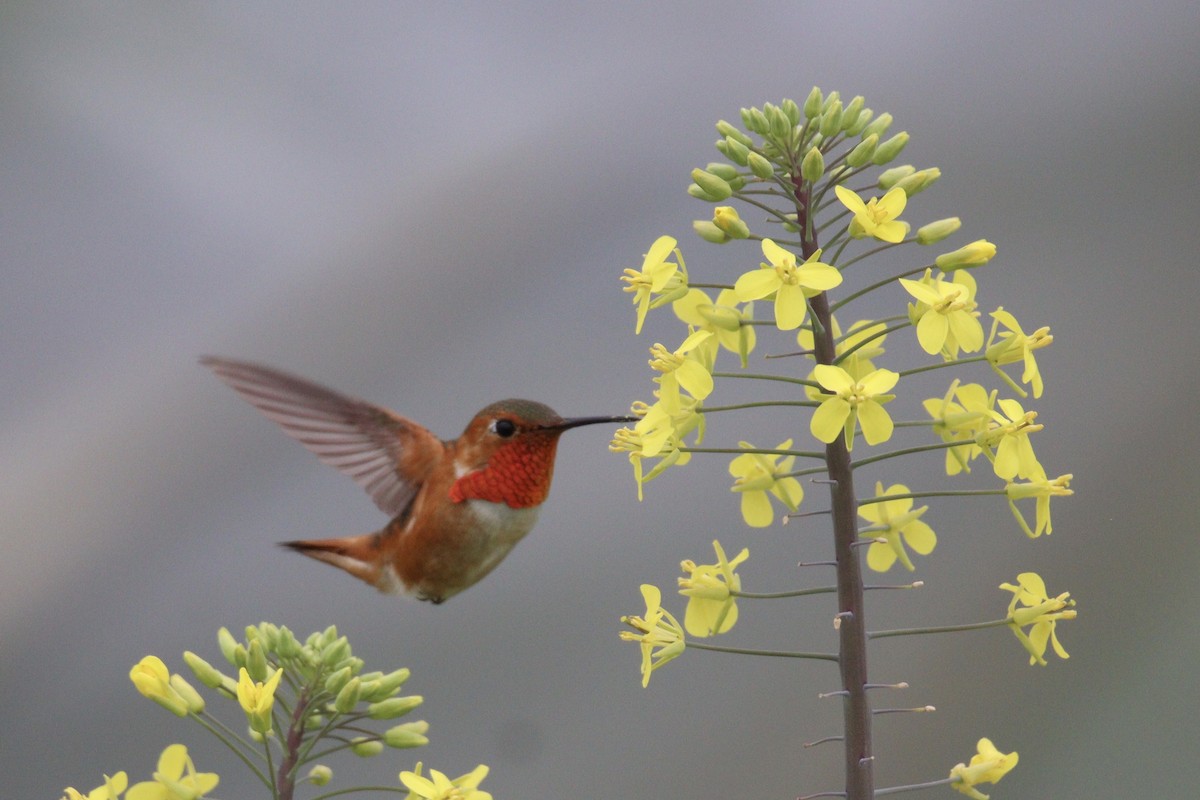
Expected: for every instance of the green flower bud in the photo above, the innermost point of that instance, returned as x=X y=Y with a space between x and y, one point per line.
x=919 y=181
x=937 y=230
x=269 y=633
x=205 y=672
x=389 y=683
x=409 y=734
x=831 y=120
x=188 y=693
x=712 y=185
x=329 y=635
x=813 y=103
x=854 y=127
x=698 y=193
x=756 y=121
x=731 y=132
x=889 y=149
x=760 y=166
x=353 y=662
x=336 y=651
x=394 y=707
x=709 y=232
x=228 y=645
x=256 y=661
x=337 y=680
x=320 y=775
x=791 y=110
x=879 y=125
x=369 y=683
x=890 y=177
x=780 y=125
x=347 y=698
x=734 y=150
x=974 y=254
x=813 y=165
x=287 y=646
x=862 y=152
x=830 y=99
x=365 y=748
x=851 y=111
x=727 y=220
x=726 y=172
x=747 y=117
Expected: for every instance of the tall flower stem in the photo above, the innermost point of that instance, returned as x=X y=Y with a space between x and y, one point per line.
x=852 y=649
x=286 y=782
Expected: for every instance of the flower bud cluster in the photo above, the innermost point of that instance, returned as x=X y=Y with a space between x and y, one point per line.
x=315 y=689
x=795 y=171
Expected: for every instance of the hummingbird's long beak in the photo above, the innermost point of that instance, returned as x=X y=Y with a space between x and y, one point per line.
x=576 y=422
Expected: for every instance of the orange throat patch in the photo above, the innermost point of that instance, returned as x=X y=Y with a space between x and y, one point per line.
x=517 y=475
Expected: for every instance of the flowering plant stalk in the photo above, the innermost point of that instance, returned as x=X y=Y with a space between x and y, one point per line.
x=814 y=177
x=301 y=703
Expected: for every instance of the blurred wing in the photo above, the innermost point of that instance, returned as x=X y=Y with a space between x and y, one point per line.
x=370 y=444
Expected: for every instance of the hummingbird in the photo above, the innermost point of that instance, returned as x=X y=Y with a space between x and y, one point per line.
x=458 y=506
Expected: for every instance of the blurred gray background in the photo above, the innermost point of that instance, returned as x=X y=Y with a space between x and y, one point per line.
x=429 y=205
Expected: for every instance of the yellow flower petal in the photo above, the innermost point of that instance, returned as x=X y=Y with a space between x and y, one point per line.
x=756 y=284
x=829 y=418
x=876 y=423
x=790 y=307
x=931 y=332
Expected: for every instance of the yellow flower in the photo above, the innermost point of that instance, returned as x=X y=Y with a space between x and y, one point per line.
x=726 y=219
x=944 y=314
x=175 y=779
x=711 y=607
x=877 y=216
x=756 y=475
x=658 y=434
x=111 y=790
x=660 y=635
x=988 y=765
x=790 y=283
x=682 y=369
x=854 y=402
x=728 y=324
x=900 y=524
x=257 y=699
x=438 y=787
x=1015 y=345
x=1039 y=611
x=1008 y=433
x=960 y=416
x=974 y=254
x=1043 y=490
x=152 y=679
x=659 y=281
x=863 y=341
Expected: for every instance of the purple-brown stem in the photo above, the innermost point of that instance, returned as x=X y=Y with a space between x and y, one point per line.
x=852 y=645
x=286 y=780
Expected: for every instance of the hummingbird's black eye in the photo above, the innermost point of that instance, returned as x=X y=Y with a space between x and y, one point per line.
x=504 y=428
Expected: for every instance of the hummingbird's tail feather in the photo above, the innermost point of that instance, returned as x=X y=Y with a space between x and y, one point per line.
x=358 y=555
